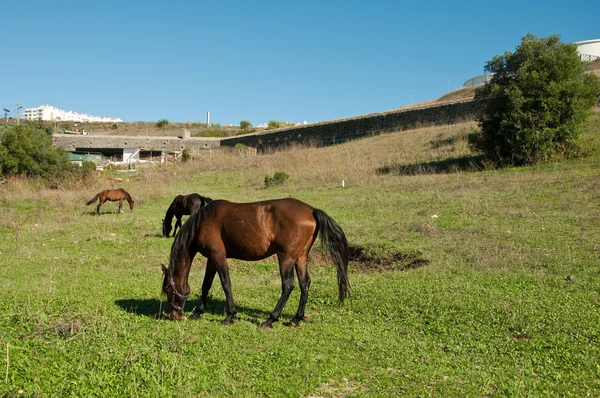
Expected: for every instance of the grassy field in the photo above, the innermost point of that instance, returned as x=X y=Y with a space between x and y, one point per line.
x=465 y=282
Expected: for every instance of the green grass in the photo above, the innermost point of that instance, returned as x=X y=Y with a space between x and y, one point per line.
x=507 y=305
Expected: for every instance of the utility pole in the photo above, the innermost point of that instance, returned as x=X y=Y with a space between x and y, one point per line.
x=18 y=113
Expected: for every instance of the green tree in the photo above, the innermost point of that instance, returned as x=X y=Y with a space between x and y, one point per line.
x=29 y=151
x=245 y=125
x=162 y=123
x=535 y=103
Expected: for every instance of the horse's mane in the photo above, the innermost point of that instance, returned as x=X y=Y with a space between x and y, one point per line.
x=187 y=232
x=127 y=196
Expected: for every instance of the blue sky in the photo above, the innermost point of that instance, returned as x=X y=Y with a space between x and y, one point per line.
x=261 y=60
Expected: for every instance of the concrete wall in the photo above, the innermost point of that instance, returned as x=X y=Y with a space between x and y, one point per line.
x=336 y=131
x=72 y=142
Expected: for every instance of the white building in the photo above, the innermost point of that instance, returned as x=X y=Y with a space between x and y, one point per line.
x=588 y=50
x=47 y=112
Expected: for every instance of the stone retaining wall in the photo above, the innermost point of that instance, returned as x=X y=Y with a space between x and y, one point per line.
x=336 y=131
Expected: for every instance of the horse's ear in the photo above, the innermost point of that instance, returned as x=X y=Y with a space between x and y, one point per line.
x=164 y=269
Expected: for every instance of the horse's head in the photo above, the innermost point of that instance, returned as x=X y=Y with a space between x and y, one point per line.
x=131 y=205
x=166 y=228
x=175 y=297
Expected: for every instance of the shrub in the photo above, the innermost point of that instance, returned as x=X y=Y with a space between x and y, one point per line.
x=185 y=155
x=29 y=151
x=88 y=166
x=274 y=124
x=162 y=123
x=245 y=125
x=278 y=178
x=535 y=103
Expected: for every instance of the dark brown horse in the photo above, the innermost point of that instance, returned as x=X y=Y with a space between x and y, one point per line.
x=182 y=205
x=113 y=195
x=251 y=232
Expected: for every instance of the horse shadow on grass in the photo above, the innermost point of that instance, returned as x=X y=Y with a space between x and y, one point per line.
x=103 y=213
x=154 y=308
x=453 y=165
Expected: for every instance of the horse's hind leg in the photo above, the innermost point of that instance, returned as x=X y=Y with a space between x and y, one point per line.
x=286 y=269
x=100 y=202
x=304 y=282
x=209 y=276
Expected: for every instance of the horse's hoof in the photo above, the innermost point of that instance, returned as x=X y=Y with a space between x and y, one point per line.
x=195 y=315
x=266 y=326
x=227 y=322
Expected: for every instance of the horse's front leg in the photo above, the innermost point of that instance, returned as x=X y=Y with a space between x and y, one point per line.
x=223 y=271
x=209 y=276
x=177 y=225
x=120 y=206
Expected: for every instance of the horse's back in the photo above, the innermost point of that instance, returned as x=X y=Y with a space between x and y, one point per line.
x=252 y=231
x=114 y=194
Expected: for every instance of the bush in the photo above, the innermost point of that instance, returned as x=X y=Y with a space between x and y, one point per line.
x=535 y=103
x=274 y=124
x=278 y=178
x=185 y=155
x=162 y=123
x=29 y=151
x=245 y=125
x=88 y=166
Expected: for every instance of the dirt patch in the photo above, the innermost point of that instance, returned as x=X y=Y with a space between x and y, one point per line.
x=521 y=336
x=66 y=329
x=368 y=260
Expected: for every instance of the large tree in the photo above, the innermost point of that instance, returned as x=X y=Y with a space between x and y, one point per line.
x=535 y=103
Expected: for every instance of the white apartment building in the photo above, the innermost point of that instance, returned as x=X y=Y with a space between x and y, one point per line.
x=47 y=112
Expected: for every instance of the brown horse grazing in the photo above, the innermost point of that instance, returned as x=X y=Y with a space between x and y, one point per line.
x=182 y=206
x=253 y=231
x=113 y=195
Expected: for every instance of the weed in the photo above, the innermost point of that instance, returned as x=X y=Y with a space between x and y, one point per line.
x=279 y=178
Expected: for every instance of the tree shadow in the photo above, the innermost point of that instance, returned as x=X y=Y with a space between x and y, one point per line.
x=464 y=164
x=154 y=308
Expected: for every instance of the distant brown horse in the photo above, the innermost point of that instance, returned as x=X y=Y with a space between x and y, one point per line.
x=182 y=205
x=251 y=232
x=113 y=195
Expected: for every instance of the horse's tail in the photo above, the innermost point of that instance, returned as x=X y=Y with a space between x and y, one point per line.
x=334 y=240
x=95 y=198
